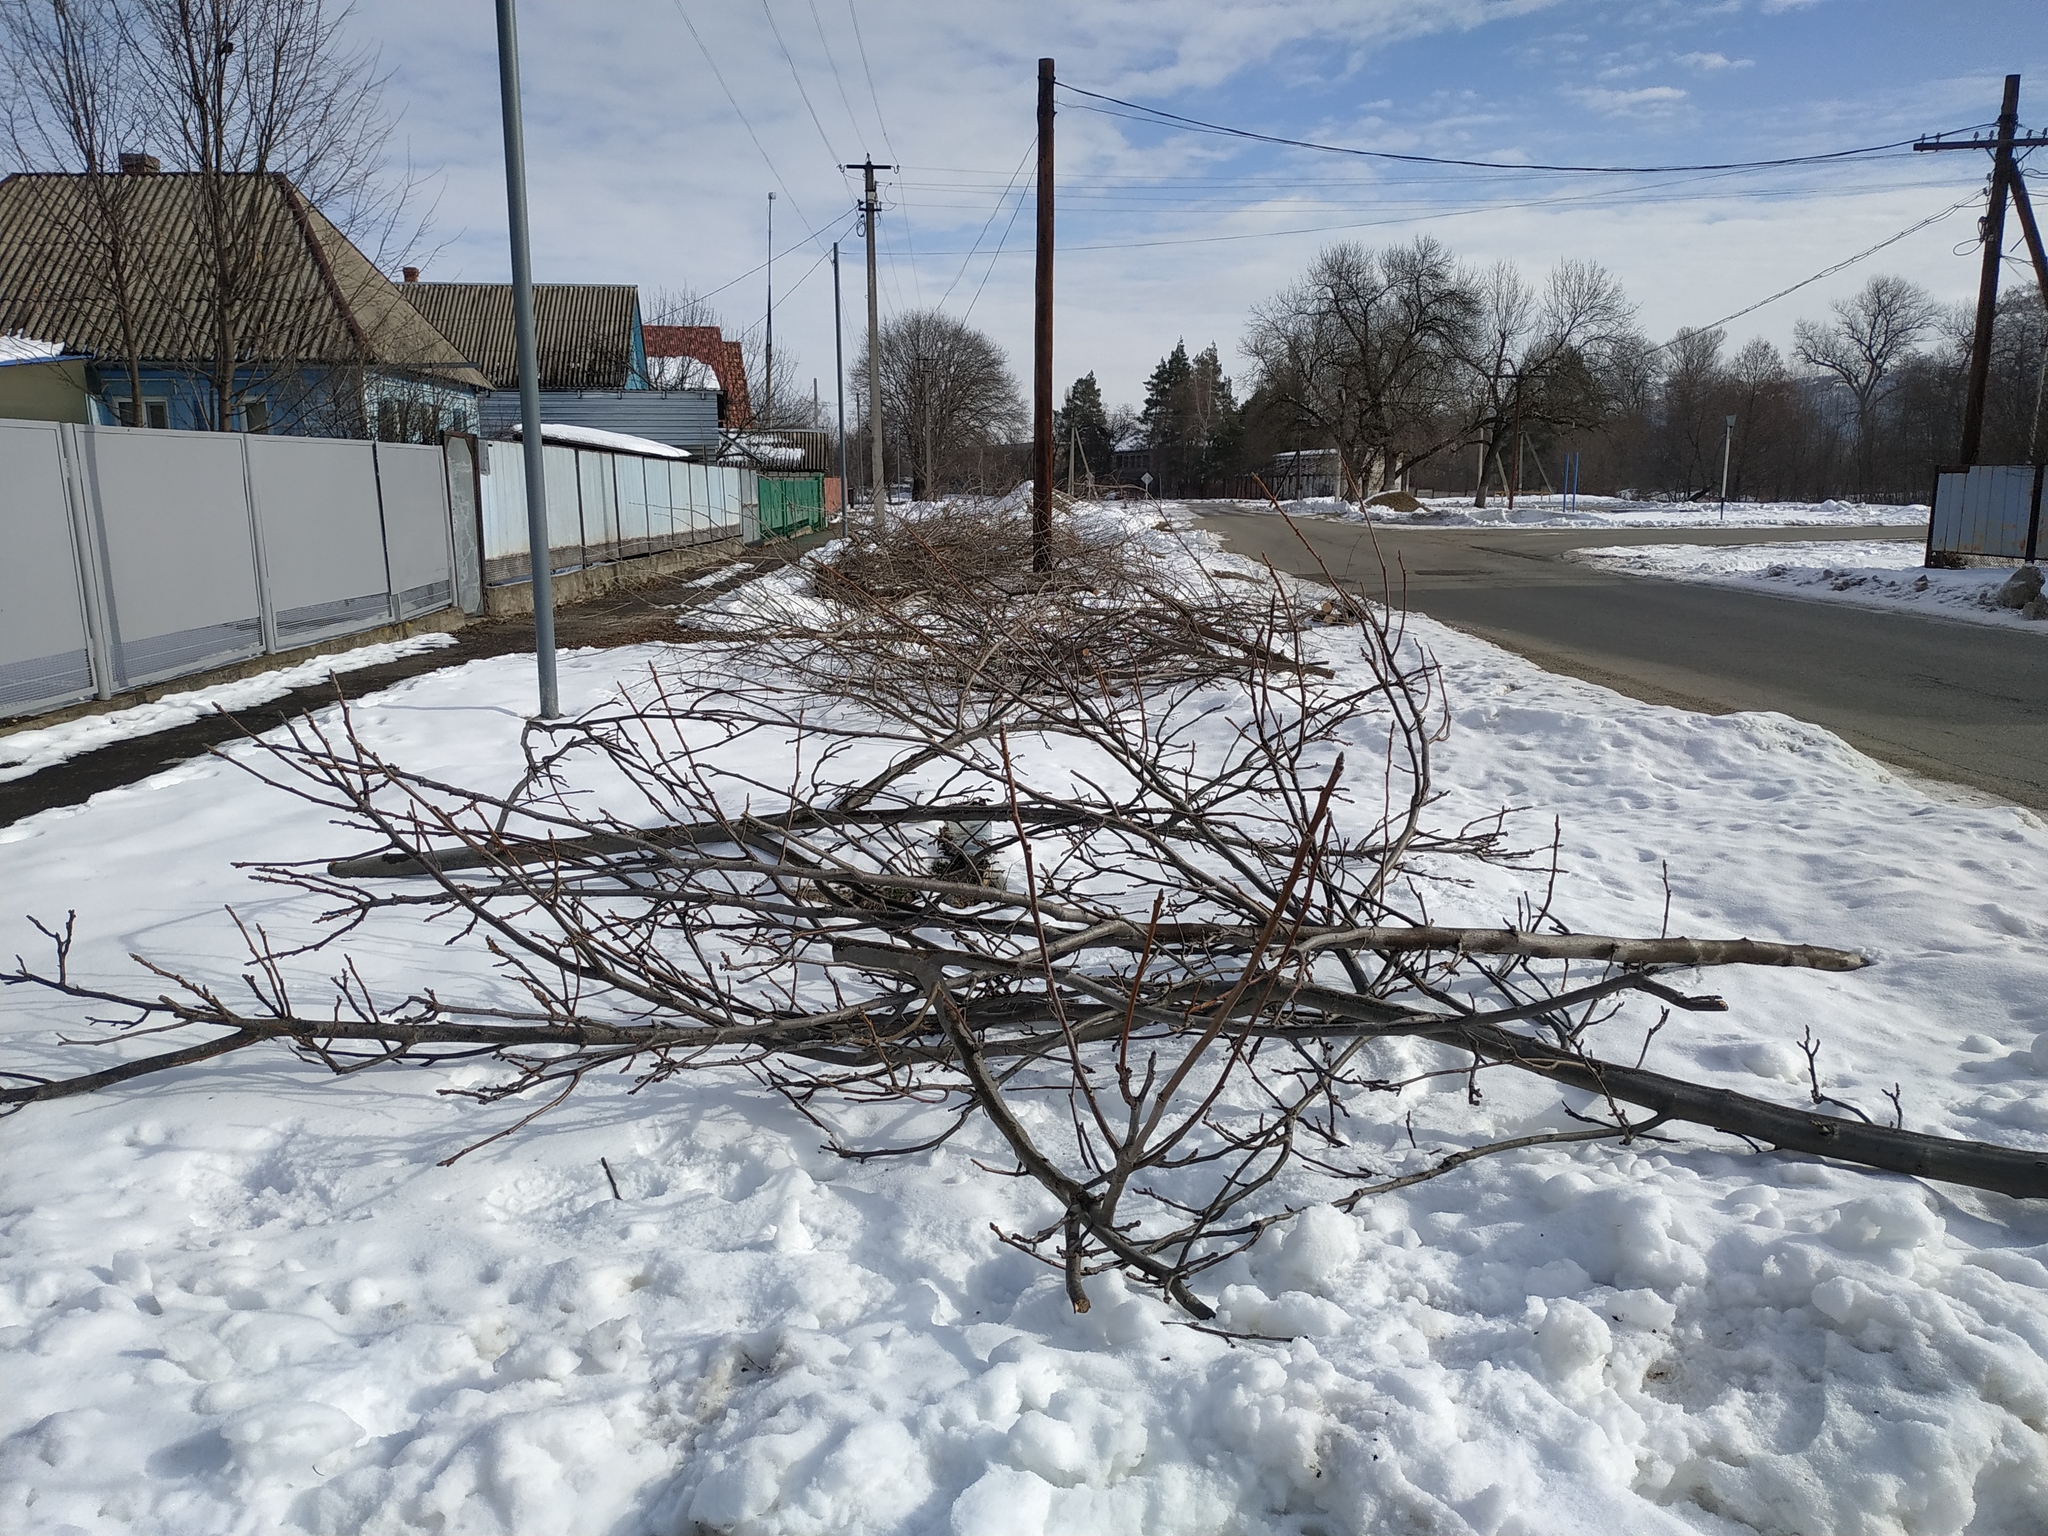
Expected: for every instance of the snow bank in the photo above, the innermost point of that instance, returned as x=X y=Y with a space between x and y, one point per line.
x=246 y=1299
x=30 y=751
x=1614 y=512
x=1869 y=573
x=599 y=437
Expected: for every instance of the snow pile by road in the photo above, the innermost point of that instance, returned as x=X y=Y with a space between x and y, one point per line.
x=1615 y=512
x=1870 y=573
x=30 y=751
x=246 y=1299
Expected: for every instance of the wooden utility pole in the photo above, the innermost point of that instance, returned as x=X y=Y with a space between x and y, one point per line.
x=768 y=367
x=878 y=492
x=1041 y=344
x=2004 y=176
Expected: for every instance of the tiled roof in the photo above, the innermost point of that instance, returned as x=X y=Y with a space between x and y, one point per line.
x=584 y=331
x=306 y=295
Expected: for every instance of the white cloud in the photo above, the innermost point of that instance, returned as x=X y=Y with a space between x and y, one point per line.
x=1712 y=63
x=1647 y=100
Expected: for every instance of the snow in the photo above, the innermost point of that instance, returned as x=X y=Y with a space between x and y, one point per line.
x=246 y=1299
x=31 y=750
x=1870 y=573
x=1614 y=512
x=599 y=437
x=17 y=347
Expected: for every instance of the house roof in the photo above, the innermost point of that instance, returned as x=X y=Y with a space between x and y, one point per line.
x=724 y=358
x=586 y=333
x=309 y=296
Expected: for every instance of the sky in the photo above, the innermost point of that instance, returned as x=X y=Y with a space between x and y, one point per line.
x=656 y=130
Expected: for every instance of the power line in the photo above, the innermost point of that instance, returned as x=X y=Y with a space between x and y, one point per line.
x=1160 y=114
x=790 y=59
x=717 y=75
x=838 y=79
x=787 y=250
x=903 y=205
x=1848 y=261
x=999 y=247
x=989 y=223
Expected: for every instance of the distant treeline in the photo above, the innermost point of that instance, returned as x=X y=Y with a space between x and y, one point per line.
x=1419 y=370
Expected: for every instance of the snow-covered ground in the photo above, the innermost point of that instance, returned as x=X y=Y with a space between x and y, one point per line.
x=244 y=1299
x=1614 y=512
x=35 y=748
x=1870 y=573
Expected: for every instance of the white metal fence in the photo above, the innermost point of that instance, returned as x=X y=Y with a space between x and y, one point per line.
x=130 y=556
x=135 y=555
x=606 y=506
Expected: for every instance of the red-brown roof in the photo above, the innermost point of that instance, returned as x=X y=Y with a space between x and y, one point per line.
x=708 y=346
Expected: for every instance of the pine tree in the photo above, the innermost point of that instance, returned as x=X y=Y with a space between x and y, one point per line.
x=1083 y=421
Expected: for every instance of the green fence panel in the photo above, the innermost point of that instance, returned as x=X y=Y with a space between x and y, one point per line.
x=791 y=505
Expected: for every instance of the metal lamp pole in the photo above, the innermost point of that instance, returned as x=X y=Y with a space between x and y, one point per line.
x=1727 y=442
x=839 y=374
x=529 y=364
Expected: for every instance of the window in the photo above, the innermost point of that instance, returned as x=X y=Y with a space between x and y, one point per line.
x=156 y=411
x=256 y=416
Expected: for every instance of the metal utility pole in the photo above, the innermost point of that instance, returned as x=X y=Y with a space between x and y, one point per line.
x=839 y=378
x=1727 y=443
x=878 y=494
x=1041 y=340
x=768 y=346
x=528 y=353
x=2004 y=176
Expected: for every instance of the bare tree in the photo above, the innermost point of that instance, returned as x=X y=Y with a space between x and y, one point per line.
x=946 y=391
x=1871 y=335
x=1363 y=351
x=72 y=105
x=244 y=91
x=1552 y=359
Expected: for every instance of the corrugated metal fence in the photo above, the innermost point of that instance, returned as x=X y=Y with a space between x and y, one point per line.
x=1992 y=510
x=134 y=556
x=606 y=506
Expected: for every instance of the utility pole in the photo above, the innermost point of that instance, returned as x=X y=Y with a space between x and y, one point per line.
x=528 y=354
x=1727 y=443
x=1041 y=341
x=768 y=349
x=879 y=493
x=839 y=376
x=2004 y=178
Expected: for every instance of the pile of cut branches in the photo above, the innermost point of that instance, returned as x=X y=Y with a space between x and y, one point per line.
x=1116 y=865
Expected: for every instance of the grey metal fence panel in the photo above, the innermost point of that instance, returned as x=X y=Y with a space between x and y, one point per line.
x=171 y=517
x=45 y=647
x=465 y=522
x=629 y=474
x=321 y=544
x=567 y=534
x=412 y=485
x=1988 y=509
x=598 y=489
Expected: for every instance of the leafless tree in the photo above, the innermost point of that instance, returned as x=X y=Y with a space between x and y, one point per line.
x=946 y=391
x=1872 y=333
x=72 y=104
x=1363 y=351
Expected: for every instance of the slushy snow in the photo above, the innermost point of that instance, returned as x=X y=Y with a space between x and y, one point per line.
x=245 y=1298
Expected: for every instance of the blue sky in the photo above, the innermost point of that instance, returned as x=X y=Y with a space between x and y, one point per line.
x=649 y=165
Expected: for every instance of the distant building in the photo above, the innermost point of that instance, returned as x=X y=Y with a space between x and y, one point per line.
x=263 y=319
x=689 y=356
x=592 y=351
x=1308 y=472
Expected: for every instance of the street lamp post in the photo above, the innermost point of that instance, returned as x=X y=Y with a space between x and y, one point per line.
x=1727 y=442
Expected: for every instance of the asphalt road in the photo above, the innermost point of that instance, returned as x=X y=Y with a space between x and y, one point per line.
x=1967 y=703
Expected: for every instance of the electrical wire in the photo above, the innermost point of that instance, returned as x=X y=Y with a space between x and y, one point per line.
x=790 y=59
x=838 y=79
x=788 y=250
x=1029 y=187
x=1158 y=114
x=993 y=213
x=717 y=75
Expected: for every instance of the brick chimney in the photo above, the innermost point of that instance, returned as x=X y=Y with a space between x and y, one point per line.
x=136 y=164
x=412 y=274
